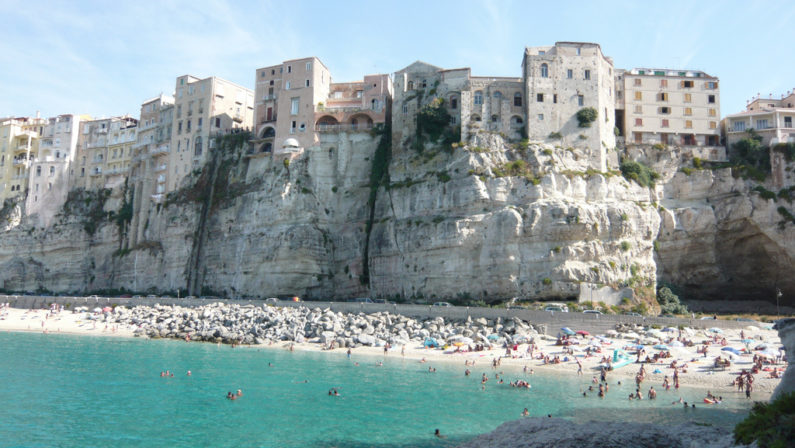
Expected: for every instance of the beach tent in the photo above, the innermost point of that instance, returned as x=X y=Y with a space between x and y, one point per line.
x=431 y=343
x=567 y=331
x=731 y=350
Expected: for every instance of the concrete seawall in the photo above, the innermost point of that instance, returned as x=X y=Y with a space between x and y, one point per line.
x=553 y=321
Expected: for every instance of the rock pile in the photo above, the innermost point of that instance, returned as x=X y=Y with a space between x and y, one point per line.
x=251 y=324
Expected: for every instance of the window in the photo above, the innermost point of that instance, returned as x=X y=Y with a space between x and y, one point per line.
x=639 y=122
x=287 y=85
x=688 y=98
x=664 y=123
x=761 y=124
x=411 y=85
x=52 y=171
x=38 y=170
x=453 y=102
x=49 y=185
x=82 y=173
x=478 y=97
x=688 y=124
x=787 y=122
x=424 y=83
x=309 y=66
x=555 y=98
x=539 y=97
x=638 y=95
x=289 y=69
x=292 y=127
x=452 y=120
x=218 y=122
x=359 y=94
x=713 y=125
x=517 y=99
x=662 y=96
x=494 y=118
x=540 y=117
x=713 y=113
x=199 y=123
x=638 y=109
x=541 y=52
x=587 y=74
x=294 y=106
x=405 y=109
x=544 y=71
x=374 y=104
x=306 y=84
x=580 y=100
x=665 y=110
x=569 y=73
x=687 y=84
x=188 y=126
x=712 y=85
x=711 y=99
x=688 y=111
x=663 y=83
x=638 y=82
x=179 y=128
x=579 y=51
x=197 y=146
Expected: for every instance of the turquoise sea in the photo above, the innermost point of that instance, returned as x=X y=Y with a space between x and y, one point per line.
x=70 y=391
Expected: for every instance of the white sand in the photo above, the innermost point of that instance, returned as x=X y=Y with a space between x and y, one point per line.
x=699 y=373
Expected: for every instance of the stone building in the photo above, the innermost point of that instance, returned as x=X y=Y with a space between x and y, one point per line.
x=562 y=80
x=296 y=101
x=49 y=183
x=770 y=117
x=204 y=108
x=493 y=104
x=104 y=150
x=19 y=146
x=670 y=107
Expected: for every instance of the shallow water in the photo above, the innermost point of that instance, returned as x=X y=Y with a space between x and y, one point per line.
x=71 y=391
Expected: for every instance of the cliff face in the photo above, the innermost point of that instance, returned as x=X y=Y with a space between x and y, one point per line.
x=488 y=220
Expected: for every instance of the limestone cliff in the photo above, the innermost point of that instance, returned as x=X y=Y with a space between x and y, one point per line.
x=489 y=219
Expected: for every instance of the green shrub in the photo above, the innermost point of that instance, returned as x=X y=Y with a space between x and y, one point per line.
x=770 y=425
x=286 y=163
x=547 y=281
x=583 y=137
x=698 y=163
x=625 y=246
x=687 y=170
x=547 y=152
x=639 y=172
x=765 y=193
x=555 y=135
x=556 y=249
x=443 y=176
x=658 y=146
x=669 y=302
x=586 y=116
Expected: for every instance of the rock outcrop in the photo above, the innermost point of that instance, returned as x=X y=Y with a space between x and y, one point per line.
x=488 y=219
x=786 y=332
x=540 y=432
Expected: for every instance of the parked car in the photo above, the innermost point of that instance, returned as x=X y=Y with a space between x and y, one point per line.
x=442 y=304
x=190 y=297
x=630 y=313
x=151 y=296
x=362 y=300
x=557 y=307
x=668 y=315
x=136 y=297
x=591 y=312
x=384 y=301
x=744 y=319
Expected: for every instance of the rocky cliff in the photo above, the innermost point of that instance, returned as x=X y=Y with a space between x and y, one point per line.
x=483 y=220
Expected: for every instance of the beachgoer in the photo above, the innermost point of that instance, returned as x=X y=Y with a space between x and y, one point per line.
x=349 y=353
x=525 y=413
x=438 y=434
x=189 y=373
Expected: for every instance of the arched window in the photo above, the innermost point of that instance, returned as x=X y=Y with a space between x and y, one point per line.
x=197 y=146
x=453 y=102
x=516 y=120
x=517 y=99
x=544 y=71
x=476 y=118
x=498 y=95
x=478 y=97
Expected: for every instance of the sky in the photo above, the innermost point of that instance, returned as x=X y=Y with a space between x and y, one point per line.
x=105 y=58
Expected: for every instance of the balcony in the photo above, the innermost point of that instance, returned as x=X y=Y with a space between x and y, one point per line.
x=96 y=171
x=162 y=149
x=22 y=147
x=21 y=162
x=160 y=168
x=238 y=118
x=343 y=128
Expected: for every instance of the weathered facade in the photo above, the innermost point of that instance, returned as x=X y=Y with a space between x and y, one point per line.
x=19 y=148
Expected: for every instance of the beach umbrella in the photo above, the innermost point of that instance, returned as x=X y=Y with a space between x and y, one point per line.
x=107 y=309
x=748 y=341
x=611 y=333
x=97 y=310
x=731 y=350
x=493 y=337
x=716 y=330
x=669 y=329
x=760 y=347
x=752 y=328
x=661 y=347
x=583 y=333
x=567 y=331
x=676 y=344
x=631 y=335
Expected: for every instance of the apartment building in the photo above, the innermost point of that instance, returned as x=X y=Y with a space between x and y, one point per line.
x=474 y=103
x=104 y=151
x=48 y=182
x=560 y=81
x=296 y=101
x=204 y=108
x=669 y=107
x=149 y=165
x=19 y=145
x=770 y=117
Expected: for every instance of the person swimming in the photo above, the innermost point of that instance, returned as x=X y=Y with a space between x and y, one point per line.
x=438 y=434
x=525 y=413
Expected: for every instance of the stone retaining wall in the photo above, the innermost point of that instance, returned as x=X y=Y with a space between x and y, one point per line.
x=553 y=321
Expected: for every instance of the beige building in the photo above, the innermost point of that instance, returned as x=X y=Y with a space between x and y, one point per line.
x=770 y=117
x=560 y=81
x=49 y=173
x=204 y=108
x=670 y=107
x=149 y=166
x=19 y=145
x=297 y=100
x=104 y=151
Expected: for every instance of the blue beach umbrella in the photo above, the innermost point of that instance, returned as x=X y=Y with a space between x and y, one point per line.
x=732 y=350
x=493 y=337
x=661 y=347
x=568 y=331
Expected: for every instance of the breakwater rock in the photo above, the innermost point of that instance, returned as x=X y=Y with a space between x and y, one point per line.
x=249 y=324
x=559 y=433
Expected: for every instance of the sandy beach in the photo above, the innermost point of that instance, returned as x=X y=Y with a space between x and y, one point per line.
x=699 y=372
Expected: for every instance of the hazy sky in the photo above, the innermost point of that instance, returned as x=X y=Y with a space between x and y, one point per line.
x=105 y=58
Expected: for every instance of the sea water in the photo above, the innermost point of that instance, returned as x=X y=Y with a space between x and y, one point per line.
x=71 y=391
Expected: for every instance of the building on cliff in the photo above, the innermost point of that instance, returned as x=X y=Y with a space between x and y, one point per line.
x=670 y=107
x=48 y=182
x=204 y=108
x=104 y=151
x=19 y=148
x=149 y=164
x=770 y=117
x=296 y=101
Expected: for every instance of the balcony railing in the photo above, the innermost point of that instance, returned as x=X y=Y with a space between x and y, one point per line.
x=162 y=149
x=343 y=127
x=96 y=172
x=20 y=162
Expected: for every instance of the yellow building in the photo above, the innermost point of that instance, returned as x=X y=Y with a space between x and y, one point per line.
x=19 y=145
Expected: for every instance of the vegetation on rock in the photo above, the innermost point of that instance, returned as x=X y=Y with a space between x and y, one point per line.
x=640 y=173
x=586 y=116
x=770 y=425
